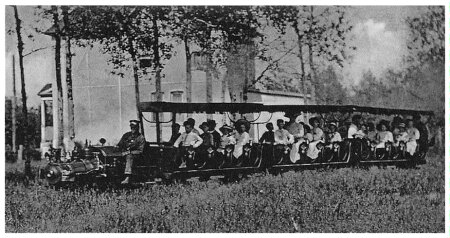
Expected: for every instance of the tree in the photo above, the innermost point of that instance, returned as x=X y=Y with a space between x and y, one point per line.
x=67 y=33
x=322 y=31
x=427 y=36
x=56 y=34
x=329 y=90
x=126 y=33
x=20 y=45
x=426 y=59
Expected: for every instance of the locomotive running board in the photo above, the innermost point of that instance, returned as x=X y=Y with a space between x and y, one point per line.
x=384 y=162
x=214 y=172
x=226 y=171
x=309 y=165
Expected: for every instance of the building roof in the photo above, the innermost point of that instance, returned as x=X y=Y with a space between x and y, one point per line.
x=46 y=91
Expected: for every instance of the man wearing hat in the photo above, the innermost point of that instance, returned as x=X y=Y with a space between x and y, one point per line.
x=132 y=144
x=212 y=130
x=175 y=133
x=227 y=138
x=187 y=139
x=333 y=134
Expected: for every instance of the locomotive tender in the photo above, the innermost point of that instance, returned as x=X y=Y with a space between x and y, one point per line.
x=95 y=163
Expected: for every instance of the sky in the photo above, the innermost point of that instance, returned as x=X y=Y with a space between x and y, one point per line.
x=379 y=34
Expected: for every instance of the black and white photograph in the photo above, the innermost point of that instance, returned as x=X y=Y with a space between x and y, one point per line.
x=225 y=118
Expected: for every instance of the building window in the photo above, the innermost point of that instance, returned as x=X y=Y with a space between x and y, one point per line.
x=177 y=96
x=161 y=115
x=48 y=104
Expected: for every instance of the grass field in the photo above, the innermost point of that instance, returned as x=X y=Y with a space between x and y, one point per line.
x=332 y=200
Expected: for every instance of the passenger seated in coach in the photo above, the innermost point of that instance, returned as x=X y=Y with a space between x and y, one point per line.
x=383 y=135
x=371 y=132
x=268 y=136
x=333 y=135
x=395 y=126
x=241 y=136
x=413 y=137
x=317 y=137
x=308 y=134
x=354 y=130
x=295 y=127
x=282 y=136
x=175 y=133
x=226 y=139
x=185 y=140
x=207 y=137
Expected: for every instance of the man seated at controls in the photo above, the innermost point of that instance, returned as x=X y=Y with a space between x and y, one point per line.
x=187 y=139
x=132 y=144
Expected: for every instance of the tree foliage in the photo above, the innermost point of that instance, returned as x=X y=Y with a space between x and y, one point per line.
x=320 y=33
x=329 y=90
x=427 y=36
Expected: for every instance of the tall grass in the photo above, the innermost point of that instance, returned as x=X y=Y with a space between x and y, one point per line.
x=326 y=200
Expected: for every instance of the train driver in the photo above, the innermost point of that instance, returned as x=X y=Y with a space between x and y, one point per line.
x=132 y=144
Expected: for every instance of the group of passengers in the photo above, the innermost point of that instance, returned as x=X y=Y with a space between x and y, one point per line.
x=316 y=132
x=295 y=133
x=211 y=138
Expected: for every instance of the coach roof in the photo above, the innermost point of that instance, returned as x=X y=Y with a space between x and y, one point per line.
x=257 y=107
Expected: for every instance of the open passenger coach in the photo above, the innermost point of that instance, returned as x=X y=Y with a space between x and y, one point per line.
x=159 y=161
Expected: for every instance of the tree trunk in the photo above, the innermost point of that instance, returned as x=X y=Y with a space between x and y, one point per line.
x=209 y=86
x=188 y=70
x=187 y=51
x=57 y=117
x=136 y=82
x=311 y=61
x=14 y=106
x=157 y=65
x=22 y=78
x=70 y=109
x=302 y=63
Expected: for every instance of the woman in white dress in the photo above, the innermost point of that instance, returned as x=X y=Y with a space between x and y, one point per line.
x=317 y=137
x=413 y=136
x=383 y=134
